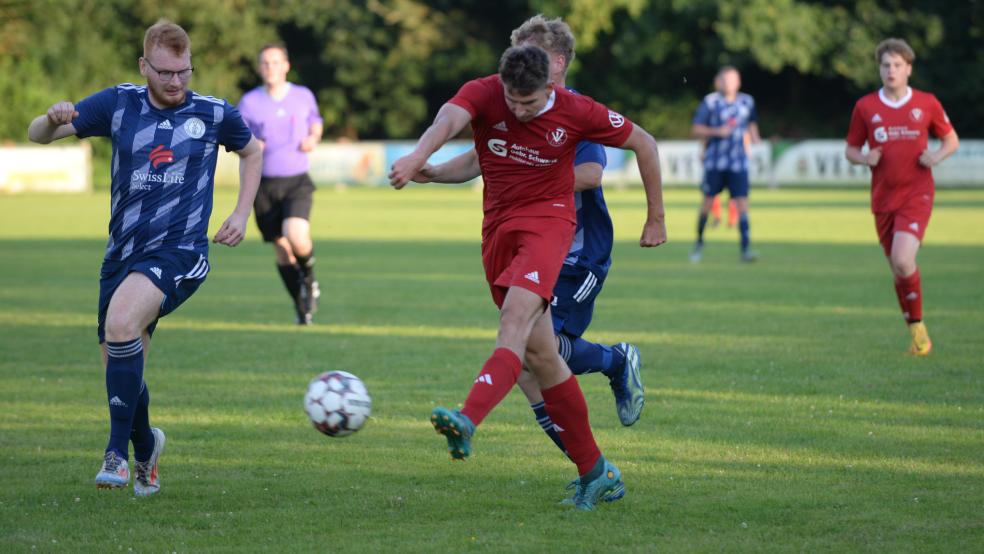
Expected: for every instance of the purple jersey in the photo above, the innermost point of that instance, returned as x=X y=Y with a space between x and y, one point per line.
x=282 y=125
x=163 y=167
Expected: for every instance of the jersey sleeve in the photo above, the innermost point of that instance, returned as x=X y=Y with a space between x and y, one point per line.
x=752 y=111
x=703 y=114
x=605 y=126
x=939 y=125
x=590 y=152
x=473 y=96
x=857 y=133
x=245 y=108
x=233 y=132
x=314 y=116
x=95 y=114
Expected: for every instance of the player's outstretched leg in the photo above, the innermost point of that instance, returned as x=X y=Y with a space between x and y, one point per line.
x=457 y=428
x=146 y=480
x=921 y=345
x=630 y=396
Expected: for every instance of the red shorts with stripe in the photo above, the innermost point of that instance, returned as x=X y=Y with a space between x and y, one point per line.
x=911 y=217
x=525 y=252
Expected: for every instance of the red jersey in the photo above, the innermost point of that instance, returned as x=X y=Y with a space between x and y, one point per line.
x=528 y=168
x=902 y=131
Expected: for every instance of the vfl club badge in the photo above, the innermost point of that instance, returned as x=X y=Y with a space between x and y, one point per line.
x=616 y=119
x=195 y=128
x=916 y=114
x=557 y=137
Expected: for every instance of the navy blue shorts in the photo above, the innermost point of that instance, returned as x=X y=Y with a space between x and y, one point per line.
x=573 y=301
x=178 y=273
x=735 y=181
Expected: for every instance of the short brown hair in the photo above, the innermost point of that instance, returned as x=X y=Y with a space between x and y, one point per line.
x=525 y=69
x=553 y=35
x=895 y=46
x=273 y=46
x=166 y=34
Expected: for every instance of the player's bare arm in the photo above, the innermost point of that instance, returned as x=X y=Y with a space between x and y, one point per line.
x=706 y=132
x=54 y=125
x=949 y=144
x=855 y=156
x=753 y=133
x=233 y=230
x=313 y=137
x=587 y=176
x=460 y=169
x=450 y=120
x=647 y=157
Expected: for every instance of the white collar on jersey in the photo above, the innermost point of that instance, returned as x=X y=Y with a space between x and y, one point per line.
x=281 y=96
x=898 y=103
x=549 y=104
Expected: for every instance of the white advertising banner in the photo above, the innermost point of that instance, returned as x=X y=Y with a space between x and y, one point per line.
x=681 y=164
x=46 y=168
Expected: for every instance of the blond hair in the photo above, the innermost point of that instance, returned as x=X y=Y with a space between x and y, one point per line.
x=553 y=35
x=166 y=34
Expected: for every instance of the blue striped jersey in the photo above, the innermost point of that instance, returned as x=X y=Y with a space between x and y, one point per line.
x=726 y=154
x=163 y=165
x=592 y=244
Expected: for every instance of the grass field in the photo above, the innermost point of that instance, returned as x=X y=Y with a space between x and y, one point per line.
x=781 y=415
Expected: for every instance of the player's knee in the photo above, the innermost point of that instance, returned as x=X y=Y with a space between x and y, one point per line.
x=121 y=328
x=902 y=265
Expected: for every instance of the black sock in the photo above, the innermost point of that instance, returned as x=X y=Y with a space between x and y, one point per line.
x=292 y=280
x=306 y=267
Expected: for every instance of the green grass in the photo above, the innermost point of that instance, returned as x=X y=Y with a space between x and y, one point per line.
x=782 y=414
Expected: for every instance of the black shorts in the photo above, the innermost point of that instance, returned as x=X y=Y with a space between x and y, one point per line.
x=279 y=198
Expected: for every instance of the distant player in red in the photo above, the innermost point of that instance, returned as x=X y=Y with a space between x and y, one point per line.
x=526 y=132
x=896 y=122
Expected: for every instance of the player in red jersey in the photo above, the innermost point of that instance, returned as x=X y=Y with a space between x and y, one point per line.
x=526 y=131
x=896 y=122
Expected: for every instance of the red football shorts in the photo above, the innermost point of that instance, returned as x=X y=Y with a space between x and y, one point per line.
x=525 y=252
x=911 y=217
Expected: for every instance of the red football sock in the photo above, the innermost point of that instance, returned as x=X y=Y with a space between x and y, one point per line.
x=566 y=407
x=493 y=383
x=909 y=291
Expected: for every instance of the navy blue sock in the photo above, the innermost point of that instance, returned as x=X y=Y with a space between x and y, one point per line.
x=141 y=436
x=589 y=357
x=547 y=424
x=743 y=228
x=701 y=224
x=124 y=374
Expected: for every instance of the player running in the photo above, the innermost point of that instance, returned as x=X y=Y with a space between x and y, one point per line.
x=896 y=122
x=284 y=118
x=722 y=119
x=526 y=132
x=165 y=145
x=588 y=260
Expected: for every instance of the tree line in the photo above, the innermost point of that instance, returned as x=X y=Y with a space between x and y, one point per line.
x=382 y=68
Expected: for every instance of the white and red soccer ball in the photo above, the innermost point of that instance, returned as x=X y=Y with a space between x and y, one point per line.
x=337 y=403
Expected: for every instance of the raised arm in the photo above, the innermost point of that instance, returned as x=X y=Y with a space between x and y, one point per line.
x=647 y=156
x=233 y=230
x=450 y=120
x=54 y=125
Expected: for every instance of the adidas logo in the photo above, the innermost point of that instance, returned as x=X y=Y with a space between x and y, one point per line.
x=533 y=276
x=484 y=378
x=115 y=401
x=156 y=271
x=876 y=119
x=914 y=226
x=501 y=126
x=166 y=124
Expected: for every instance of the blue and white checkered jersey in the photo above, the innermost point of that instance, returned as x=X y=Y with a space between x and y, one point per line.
x=726 y=154
x=163 y=165
x=592 y=244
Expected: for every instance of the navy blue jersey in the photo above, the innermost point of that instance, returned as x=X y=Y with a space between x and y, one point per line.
x=726 y=153
x=592 y=244
x=163 y=166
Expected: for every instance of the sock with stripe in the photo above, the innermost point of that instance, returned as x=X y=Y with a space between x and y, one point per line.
x=124 y=374
x=909 y=292
x=567 y=408
x=547 y=424
x=305 y=267
x=494 y=382
x=588 y=357
x=140 y=435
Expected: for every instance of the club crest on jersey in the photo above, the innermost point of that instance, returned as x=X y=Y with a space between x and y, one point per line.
x=616 y=119
x=881 y=135
x=557 y=137
x=195 y=128
x=160 y=155
x=916 y=114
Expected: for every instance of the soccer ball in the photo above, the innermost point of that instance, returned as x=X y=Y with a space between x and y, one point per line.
x=337 y=403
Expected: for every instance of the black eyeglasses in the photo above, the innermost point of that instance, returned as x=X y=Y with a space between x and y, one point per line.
x=166 y=76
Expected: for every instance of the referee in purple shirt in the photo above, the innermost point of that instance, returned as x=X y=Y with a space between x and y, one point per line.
x=284 y=118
